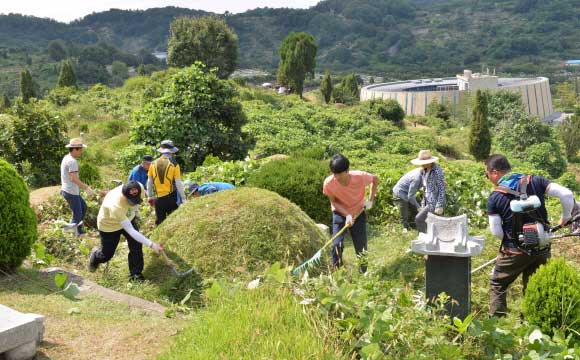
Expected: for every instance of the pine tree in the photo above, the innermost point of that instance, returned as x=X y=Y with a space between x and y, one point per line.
x=67 y=75
x=326 y=87
x=297 y=60
x=479 y=136
x=26 y=86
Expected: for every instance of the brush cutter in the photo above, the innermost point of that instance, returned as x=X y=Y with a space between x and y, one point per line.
x=315 y=259
x=173 y=267
x=553 y=229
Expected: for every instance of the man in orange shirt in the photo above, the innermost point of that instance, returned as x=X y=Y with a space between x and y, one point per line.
x=346 y=191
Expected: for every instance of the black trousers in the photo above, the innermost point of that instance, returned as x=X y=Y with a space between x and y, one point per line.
x=164 y=206
x=407 y=213
x=109 y=242
x=358 y=233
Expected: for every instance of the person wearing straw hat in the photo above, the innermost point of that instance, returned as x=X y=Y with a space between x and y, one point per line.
x=71 y=183
x=433 y=181
x=164 y=182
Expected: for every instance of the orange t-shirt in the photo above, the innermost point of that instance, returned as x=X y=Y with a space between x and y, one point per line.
x=352 y=196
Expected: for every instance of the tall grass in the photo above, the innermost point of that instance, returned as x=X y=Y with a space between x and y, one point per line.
x=264 y=323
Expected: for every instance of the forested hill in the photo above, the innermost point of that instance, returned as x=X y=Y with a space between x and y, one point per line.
x=396 y=36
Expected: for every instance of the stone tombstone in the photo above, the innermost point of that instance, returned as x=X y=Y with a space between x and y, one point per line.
x=20 y=334
x=449 y=249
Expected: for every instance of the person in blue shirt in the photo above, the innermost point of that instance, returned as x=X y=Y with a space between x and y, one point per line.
x=139 y=172
x=195 y=190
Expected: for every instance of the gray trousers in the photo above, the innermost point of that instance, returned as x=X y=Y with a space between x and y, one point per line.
x=421 y=219
x=407 y=213
x=508 y=267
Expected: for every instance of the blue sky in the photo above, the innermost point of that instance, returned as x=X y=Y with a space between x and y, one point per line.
x=68 y=10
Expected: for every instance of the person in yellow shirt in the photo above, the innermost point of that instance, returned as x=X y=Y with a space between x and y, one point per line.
x=164 y=182
x=117 y=217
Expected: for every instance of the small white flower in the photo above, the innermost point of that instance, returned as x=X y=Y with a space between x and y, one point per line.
x=307 y=301
x=535 y=335
x=254 y=284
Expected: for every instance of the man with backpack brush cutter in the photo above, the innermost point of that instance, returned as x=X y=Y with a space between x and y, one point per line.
x=518 y=216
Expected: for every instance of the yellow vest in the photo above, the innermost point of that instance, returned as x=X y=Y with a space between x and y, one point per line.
x=164 y=174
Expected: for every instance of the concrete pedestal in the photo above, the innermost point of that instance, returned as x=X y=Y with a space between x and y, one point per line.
x=451 y=275
x=20 y=334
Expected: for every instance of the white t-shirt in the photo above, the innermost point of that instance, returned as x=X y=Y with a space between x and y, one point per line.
x=68 y=165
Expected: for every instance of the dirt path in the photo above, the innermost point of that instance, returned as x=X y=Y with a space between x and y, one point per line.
x=97 y=328
x=38 y=196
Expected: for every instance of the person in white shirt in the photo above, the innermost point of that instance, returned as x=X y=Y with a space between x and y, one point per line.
x=71 y=184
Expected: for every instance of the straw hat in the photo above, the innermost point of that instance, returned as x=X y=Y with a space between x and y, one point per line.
x=424 y=157
x=76 y=143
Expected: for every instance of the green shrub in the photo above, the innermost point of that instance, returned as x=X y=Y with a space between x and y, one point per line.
x=89 y=174
x=552 y=299
x=37 y=136
x=18 y=225
x=568 y=180
x=298 y=180
x=109 y=128
x=387 y=110
x=131 y=155
x=233 y=172
x=61 y=96
x=197 y=109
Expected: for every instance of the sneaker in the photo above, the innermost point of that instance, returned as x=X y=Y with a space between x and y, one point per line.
x=137 y=277
x=92 y=264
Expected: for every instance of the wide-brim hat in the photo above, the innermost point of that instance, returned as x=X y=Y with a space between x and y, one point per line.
x=75 y=143
x=167 y=146
x=424 y=157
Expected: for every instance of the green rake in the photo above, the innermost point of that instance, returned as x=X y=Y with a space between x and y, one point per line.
x=315 y=259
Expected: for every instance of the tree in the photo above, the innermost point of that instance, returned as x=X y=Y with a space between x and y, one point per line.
x=438 y=110
x=371 y=80
x=570 y=134
x=206 y=39
x=67 y=77
x=26 y=86
x=326 y=87
x=57 y=50
x=347 y=91
x=4 y=103
x=479 y=135
x=200 y=113
x=297 y=60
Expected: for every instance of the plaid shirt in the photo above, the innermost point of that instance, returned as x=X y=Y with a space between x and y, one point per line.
x=434 y=189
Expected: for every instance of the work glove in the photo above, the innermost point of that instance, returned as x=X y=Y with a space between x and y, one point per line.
x=90 y=192
x=157 y=248
x=151 y=201
x=438 y=211
x=349 y=220
x=368 y=204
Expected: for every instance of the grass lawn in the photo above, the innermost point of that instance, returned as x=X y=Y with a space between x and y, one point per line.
x=101 y=330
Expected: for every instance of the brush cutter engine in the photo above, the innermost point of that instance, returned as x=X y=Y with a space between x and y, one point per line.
x=534 y=237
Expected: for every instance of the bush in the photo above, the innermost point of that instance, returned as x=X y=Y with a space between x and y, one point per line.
x=18 y=225
x=37 y=137
x=131 y=155
x=89 y=174
x=61 y=96
x=199 y=113
x=387 y=110
x=231 y=232
x=568 y=180
x=298 y=180
x=233 y=172
x=552 y=299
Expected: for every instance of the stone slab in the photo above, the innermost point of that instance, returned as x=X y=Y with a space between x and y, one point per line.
x=18 y=332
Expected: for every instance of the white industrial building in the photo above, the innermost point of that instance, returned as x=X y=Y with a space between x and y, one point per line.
x=416 y=95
